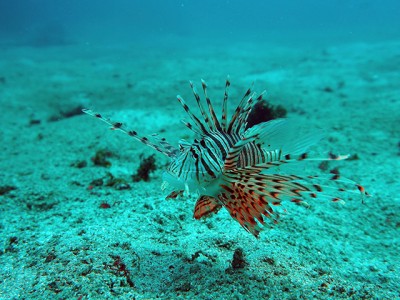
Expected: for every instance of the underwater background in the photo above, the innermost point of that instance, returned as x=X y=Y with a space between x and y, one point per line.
x=82 y=212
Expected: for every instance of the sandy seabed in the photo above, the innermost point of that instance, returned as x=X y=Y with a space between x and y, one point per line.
x=68 y=231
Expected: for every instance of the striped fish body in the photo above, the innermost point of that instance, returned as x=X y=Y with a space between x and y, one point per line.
x=239 y=169
x=199 y=165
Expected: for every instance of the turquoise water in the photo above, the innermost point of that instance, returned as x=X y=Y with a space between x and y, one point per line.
x=80 y=220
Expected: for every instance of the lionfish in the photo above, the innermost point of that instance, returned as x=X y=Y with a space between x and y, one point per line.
x=229 y=165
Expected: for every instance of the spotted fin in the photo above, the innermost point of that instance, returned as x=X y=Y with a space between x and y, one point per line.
x=247 y=202
x=250 y=195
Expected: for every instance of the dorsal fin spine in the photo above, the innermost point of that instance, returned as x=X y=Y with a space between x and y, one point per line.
x=200 y=105
x=225 y=105
x=216 y=124
x=163 y=146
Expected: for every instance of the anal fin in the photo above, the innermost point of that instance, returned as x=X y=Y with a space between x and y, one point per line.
x=205 y=206
x=174 y=195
